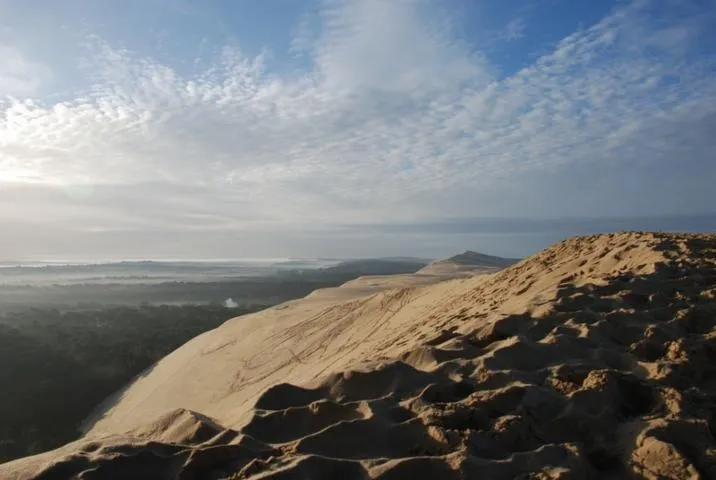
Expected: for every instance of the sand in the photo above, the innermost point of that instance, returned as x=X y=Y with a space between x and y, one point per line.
x=594 y=358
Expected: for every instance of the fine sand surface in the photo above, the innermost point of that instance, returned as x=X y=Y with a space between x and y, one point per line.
x=595 y=358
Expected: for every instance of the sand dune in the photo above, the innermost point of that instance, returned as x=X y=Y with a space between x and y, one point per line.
x=466 y=264
x=594 y=358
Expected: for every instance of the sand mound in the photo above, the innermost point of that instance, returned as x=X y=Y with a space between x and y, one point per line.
x=595 y=358
x=469 y=257
x=466 y=264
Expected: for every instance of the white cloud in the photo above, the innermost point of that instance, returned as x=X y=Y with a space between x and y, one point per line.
x=394 y=120
x=514 y=30
x=18 y=75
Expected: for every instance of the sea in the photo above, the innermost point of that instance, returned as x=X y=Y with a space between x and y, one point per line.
x=65 y=272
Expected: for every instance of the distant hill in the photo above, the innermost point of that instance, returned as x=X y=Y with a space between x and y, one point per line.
x=468 y=263
x=424 y=261
x=469 y=257
x=378 y=266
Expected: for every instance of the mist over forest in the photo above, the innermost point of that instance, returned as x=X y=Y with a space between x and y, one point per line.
x=78 y=333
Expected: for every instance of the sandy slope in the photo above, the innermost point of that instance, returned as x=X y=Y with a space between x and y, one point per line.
x=593 y=358
x=222 y=372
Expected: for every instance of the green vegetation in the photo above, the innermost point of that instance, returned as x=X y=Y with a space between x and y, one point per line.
x=266 y=290
x=55 y=367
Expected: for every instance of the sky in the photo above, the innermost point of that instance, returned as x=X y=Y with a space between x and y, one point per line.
x=345 y=128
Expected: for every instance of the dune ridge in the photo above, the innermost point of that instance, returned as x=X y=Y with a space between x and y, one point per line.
x=594 y=358
x=467 y=264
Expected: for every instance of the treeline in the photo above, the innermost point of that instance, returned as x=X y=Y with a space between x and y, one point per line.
x=268 y=290
x=55 y=366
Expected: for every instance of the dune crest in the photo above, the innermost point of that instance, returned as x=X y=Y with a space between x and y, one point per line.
x=595 y=357
x=466 y=264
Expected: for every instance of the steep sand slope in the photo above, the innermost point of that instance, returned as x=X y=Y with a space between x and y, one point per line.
x=593 y=358
x=222 y=372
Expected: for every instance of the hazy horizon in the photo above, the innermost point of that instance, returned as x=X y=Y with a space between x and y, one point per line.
x=79 y=261
x=515 y=238
x=350 y=128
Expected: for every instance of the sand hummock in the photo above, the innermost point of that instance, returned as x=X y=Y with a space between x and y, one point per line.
x=595 y=358
x=466 y=264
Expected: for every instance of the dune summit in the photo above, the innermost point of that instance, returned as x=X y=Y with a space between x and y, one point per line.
x=594 y=358
x=467 y=264
x=469 y=257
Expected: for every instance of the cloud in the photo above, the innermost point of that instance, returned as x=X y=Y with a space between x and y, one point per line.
x=514 y=30
x=398 y=48
x=20 y=76
x=395 y=119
